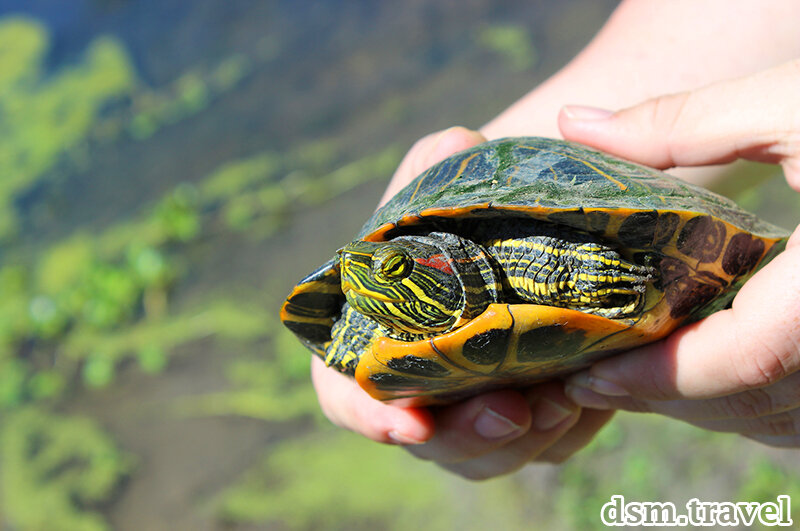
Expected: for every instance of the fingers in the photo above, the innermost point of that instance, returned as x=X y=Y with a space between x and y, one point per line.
x=348 y=406
x=754 y=344
x=770 y=414
x=578 y=436
x=752 y=118
x=780 y=441
x=340 y=398
x=736 y=370
x=497 y=433
x=754 y=403
x=486 y=436
x=778 y=425
x=427 y=151
x=476 y=426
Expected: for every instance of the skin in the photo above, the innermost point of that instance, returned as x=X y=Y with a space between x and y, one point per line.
x=645 y=49
x=735 y=371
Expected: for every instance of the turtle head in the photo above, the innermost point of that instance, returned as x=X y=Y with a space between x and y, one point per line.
x=414 y=284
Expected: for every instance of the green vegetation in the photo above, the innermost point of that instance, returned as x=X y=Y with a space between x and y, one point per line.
x=339 y=468
x=74 y=311
x=622 y=460
x=272 y=389
x=250 y=198
x=188 y=95
x=104 y=297
x=134 y=301
x=764 y=481
x=45 y=117
x=348 y=482
x=56 y=471
x=274 y=491
x=512 y=43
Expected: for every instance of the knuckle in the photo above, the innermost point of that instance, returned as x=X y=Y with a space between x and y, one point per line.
x=749 y=404
x=667 y=117
x=786 y=395
x=638 y=406
x=780 y=425
x=655 y=381
x=769 y=367
x=470 y=474
x=765 y=359
x=422 y=143
x=498 y=462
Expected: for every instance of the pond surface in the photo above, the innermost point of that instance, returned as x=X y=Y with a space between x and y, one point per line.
x=173 y=168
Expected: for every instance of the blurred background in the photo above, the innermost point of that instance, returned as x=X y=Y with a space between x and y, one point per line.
x=169 y=170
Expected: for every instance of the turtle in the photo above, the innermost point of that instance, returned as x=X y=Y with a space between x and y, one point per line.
x=521 y=260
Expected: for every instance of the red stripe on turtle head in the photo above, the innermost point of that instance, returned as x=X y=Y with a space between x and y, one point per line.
x=437 y=261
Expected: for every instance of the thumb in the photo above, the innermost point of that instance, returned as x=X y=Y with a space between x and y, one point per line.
x=753 y=344
x=427 y=151
x=755 y=118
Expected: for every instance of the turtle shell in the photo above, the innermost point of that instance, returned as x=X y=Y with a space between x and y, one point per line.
x=703 y=245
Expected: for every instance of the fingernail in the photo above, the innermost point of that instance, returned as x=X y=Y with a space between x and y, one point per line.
x=586 y=398
x=454 y=139
x=402 y=439
x=442 y=135
x=492 y=425
x=548 y=414
x=598 y=385
x=581 y=112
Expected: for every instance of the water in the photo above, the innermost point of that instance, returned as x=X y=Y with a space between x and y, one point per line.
x=183 y=369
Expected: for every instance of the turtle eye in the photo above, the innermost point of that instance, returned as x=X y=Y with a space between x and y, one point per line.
x=394 y=266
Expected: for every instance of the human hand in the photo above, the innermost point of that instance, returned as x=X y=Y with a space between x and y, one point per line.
x=485 y=436
x=737 y=370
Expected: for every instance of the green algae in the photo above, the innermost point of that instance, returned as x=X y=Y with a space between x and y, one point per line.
x=512 y=43
x=78 y=309
x=231 y=319
x=189 y=94
x=48 y=116
x=764 y=480
x=270 y=388
x=57 y=471
x=105 y=297
x=374 y=483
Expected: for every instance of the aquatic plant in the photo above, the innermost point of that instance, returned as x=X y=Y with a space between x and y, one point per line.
x=145 y=340
x=764 y=480
x=346 y=482
x=272 y=388
x=512 y=43
x=56 y=470
x=48 y=115
x=190 y=93
x=91 y=292
x=74 y=310
x=177 y=214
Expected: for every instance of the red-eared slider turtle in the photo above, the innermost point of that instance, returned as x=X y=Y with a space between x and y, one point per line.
x=521 y=259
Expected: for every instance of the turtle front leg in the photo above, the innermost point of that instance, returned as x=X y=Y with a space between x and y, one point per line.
x=586 y=276
x=607 y=284
x=351 y=336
